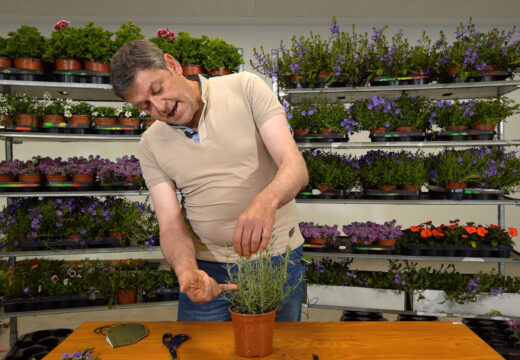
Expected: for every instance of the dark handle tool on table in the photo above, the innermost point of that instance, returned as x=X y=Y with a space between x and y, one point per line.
x=172 y=342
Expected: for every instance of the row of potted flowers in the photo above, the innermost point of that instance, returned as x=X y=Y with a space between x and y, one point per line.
x=77 y=222
x=357 y=59
x=67 y=45
x=433 y=290
x=404 y=113
x=80 y=169
x=452 y=239
x=484 y=167
x=38 y=284
x=25 y=110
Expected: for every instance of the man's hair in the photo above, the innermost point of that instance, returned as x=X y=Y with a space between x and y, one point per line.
x=129 y=59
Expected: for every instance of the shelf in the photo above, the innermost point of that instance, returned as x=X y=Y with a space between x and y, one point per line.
x=19 y=137
x=435 y=91
x=514 y=260
x=405 y=144
x=89 y=308
x=500 y=201
x=12 y=194
x=76 y=91
x=62 y=252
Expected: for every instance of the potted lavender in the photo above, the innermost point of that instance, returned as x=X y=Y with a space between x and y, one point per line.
x=366 y=233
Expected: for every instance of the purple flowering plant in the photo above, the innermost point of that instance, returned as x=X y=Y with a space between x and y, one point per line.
x=328 y=168
x=374 y=112
x=29 y=167
x=493 y=110
x=82 y=165
x=498 y=168
x=85 y=354
x=368 y=232
x=10 y=167
x=455 y=165
x=378 y=167
x=390 y=58
x=50 y=166
x=310 y=230
x=447 y=113
x=318 y=114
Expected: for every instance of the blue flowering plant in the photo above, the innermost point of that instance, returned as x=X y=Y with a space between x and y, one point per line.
x=318 y=114
x=413 y=168
x=447 y=114
x=83 y=165
x=499 y=169
x=374 y=113
x=378 y=167
x=412 y=111
x=389 y=58
x=455 y=165
x=491 y=111
x=85 y=354
x=331 y=169
x=368 y=232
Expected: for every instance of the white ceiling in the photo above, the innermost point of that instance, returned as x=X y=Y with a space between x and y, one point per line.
x=363 y=12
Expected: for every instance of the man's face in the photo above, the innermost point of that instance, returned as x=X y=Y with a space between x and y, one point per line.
x=164 y=95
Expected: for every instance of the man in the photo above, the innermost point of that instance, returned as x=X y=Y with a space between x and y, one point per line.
x=225 y=144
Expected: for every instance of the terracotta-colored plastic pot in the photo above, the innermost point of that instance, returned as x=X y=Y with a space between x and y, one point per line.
x=219 y=71
x=5 y=62
x=378 y=130
x=97 y=66
x=67 y=64
x=253 y=333
x=83 y=178
x=410 y=187
x=484 y=126
x=26 y=120
x=28 y=63
x=29 y=177
x=80 y=119
x=129 y=121
x=387 y=187
x=455 y=185
x=302 y=132
x=6 y=178
x=458 y=127
x=326 y=131
x=55 y=119
x=116 y=235
x=126 y=296
x=74 y=236
x=405 y=128
x=324 y=188
x=387 y=242
x=5 y=120
x=317 y=240
x=51 y=177
x=104 y=121
x=148 y=122
x=192 y=70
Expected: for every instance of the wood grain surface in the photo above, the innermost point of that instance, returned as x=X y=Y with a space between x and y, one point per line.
x=330 y=340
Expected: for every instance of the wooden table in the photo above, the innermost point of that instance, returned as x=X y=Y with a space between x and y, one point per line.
x=330 y=340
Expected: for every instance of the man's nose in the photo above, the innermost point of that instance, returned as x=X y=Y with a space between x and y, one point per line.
x=159 y=104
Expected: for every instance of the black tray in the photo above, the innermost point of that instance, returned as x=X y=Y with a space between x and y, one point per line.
x=333 y=137
x=397 y=136
x=462 y=135
x=392 y=194
x=437 y=192
x=82 y=76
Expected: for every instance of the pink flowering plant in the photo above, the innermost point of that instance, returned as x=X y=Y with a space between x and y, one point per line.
x=165 y=40
x=64 y=43
x=367 y=232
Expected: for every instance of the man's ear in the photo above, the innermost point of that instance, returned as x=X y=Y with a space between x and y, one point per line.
x=172 y=64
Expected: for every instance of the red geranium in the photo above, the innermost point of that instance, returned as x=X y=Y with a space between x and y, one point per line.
x=171 y=35
x=512 y=231
x=62 y=24
x=163 y=33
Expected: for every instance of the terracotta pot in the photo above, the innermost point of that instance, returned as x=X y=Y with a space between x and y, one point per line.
x=28 y=63
x=5 y=62
x=219 y=71
x=317 y=240
x=484 y=126
x=326 y=131
x=387 y=187
x=126 y=296
x=134 y=178
x=104 y=121
x=75 y=236
x=253 y=333
x=116 y=235
x=67 y=64
x=324 y=188
x=80 y=119
x=453 y=70
x=97 y=66
x=129 y=121
x=455 y=185
x=192 y=70
x=302 y=132
x=458 y=127
x=26 y=120
x=51 y=177
x=405 y=128
x=83 y=178
x=322 y=74
x=387 y=242
x=410 y=187
x=29 y=177
x=491 y=67
x=55 y=119
x=5 y=120
x=6 y=178
x=378 y=130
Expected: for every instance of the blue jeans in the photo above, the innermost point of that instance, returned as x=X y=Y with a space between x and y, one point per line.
x=217 y=309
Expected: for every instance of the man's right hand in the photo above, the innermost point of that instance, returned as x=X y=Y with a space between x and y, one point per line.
x=200 y=287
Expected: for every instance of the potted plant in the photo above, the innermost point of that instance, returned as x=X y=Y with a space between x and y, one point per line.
x=53 y=169
x=412 y=114
x=83 y=169
x=79 y=114
x=374 y=114
x=104 y=115
x=165 y=40
x=127 y=168
x=189 y=52
x=5 y=110
x=53 y=111
x=24 y=109
x=127 y=276
x=8 y=169
x=64 y=47
x=453 y=115
x=369 y=232
x=96 y=47
x=489 y=112
x=453 y=169
x=413 y=170
x=319 y=236
x=497 y=169
x=4 y=60
x=26 y=46
x=261 y=285
x=380 y=169
x=127 y=32
x=29 y=172
x=389 y=60
x=128 y=114
x=220 y=58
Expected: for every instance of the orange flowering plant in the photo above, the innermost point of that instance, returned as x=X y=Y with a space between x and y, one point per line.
x=469 y=234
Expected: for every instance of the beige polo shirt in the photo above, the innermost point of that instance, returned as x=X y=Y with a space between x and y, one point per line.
x=219 y=177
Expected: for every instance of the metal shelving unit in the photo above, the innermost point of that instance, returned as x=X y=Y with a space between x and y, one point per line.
x=404 y=144
x=21 y=136
x=70 y=193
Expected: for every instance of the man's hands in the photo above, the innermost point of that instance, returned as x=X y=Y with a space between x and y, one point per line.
x=200 y=287
x=254 y=226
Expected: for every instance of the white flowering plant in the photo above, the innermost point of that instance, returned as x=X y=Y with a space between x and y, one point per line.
x=130 y=111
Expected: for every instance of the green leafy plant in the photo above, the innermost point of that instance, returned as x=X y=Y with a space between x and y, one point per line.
x=493 y=110
x=219 y=54
x=188 y=48
x=262 y=283
x=318 y=114
x=331 y=169
x=454 y=165
x=96 y=43
x=3 y=43
x=65 y=42
x=448 y=113
x=22 y=104
x=379 y=167
x=81 y=108
x=128 y=110
x=104 y=111
x=413 y=168
x=25 y=42
x=165 y=40
x=127 y=32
